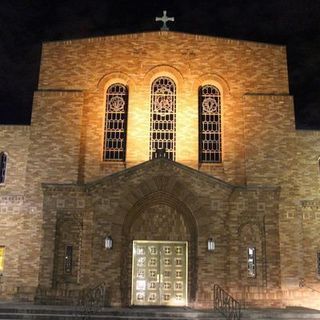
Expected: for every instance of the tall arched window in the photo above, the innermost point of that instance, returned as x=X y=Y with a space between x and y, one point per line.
x=116 y=123
x=3 y=166
x=209 y=124
x=163 y=118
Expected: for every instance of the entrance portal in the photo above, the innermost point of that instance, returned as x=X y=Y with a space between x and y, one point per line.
x=159 y=273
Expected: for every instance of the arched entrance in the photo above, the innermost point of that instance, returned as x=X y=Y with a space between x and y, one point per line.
x=159 y=252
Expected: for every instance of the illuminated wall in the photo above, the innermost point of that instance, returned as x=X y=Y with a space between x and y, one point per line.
x=236 y=68
x=262 y=154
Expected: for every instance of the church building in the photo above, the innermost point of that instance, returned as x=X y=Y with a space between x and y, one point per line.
x=160 y=164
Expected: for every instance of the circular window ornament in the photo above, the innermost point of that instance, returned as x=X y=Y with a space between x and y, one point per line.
x=116 y=104
x=210 y=105
x=163 y=104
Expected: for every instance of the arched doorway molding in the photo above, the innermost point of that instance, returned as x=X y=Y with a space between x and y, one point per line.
x=139 y=208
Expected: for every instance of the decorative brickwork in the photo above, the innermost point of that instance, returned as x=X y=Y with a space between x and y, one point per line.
x=265 y=192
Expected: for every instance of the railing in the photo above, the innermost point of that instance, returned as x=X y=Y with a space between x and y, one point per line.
x=57 y=296
x=91 y=300
x=225 y=304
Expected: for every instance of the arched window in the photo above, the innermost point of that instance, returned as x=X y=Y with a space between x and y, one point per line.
x=163 y=118
x=116 y=123
x=209 y=124
x=3 y=166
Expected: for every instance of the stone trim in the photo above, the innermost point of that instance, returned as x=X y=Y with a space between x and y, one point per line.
x=15 y=127
x=58 y=93
x=87 y=187
x=166 y=34
x=110 y=78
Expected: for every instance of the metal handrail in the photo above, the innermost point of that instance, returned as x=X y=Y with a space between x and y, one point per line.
x=225 y=304
x=93 y=299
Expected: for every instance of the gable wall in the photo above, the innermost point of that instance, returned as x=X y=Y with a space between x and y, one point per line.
x=115 y=205
x=235 y=67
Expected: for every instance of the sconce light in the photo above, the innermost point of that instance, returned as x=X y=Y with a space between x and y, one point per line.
x=108 y=242
x=211 y=245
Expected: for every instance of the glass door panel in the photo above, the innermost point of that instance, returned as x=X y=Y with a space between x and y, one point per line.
x=159 y=273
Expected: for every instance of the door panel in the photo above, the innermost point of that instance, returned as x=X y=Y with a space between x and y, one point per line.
x=159 y=273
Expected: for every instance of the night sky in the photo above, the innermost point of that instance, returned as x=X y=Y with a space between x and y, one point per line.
x=24 y=25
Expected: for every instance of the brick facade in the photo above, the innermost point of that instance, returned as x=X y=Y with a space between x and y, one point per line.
x=59 y=192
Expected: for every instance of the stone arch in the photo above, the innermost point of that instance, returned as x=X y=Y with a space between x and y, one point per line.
x=214 y=79
x=115 y=77
x=252 y=223
x=165 y=70
x=139 y=209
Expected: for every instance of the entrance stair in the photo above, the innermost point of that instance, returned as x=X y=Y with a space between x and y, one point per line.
x=46 y=312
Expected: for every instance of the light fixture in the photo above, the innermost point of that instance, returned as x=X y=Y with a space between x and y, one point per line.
x=211 y=245
x=108 y=242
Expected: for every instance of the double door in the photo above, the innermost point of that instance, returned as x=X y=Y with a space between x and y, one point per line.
x=159 y=273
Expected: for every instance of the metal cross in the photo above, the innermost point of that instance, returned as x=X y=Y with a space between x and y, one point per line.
x=164 y=19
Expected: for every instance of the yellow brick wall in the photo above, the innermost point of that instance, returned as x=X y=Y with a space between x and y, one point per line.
x=235 y=67
x=14 y=140
x=263 y=155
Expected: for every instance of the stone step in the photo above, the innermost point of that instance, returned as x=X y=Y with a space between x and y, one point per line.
x=68 y=313
x=42 y=312
x=278 y=314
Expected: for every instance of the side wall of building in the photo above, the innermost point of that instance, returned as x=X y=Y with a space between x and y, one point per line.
x=53 y=155
x=14 y=141
x=300 y=227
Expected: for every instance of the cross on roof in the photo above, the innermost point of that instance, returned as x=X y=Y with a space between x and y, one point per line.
x=164 y=19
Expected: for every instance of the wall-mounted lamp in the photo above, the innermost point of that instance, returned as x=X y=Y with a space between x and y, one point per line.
x=108 y=242
x=211 y=245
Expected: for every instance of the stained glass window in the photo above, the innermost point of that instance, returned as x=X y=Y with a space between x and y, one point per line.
x=251 y=254
x=116 y=123
x=163 y=118
x=2 y=249
x=68 y=259
x=3 y=166
x=318 y=263
x=209 y=124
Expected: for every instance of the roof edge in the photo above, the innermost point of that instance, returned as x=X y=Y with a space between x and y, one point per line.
x=165 y=34
x=209 y=178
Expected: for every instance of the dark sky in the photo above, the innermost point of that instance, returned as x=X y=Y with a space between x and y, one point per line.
x=24 y=25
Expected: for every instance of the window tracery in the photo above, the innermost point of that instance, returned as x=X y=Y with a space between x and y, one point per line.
x=209 y=124
x=115 y=123
x=163 y=118
x=3 y=166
